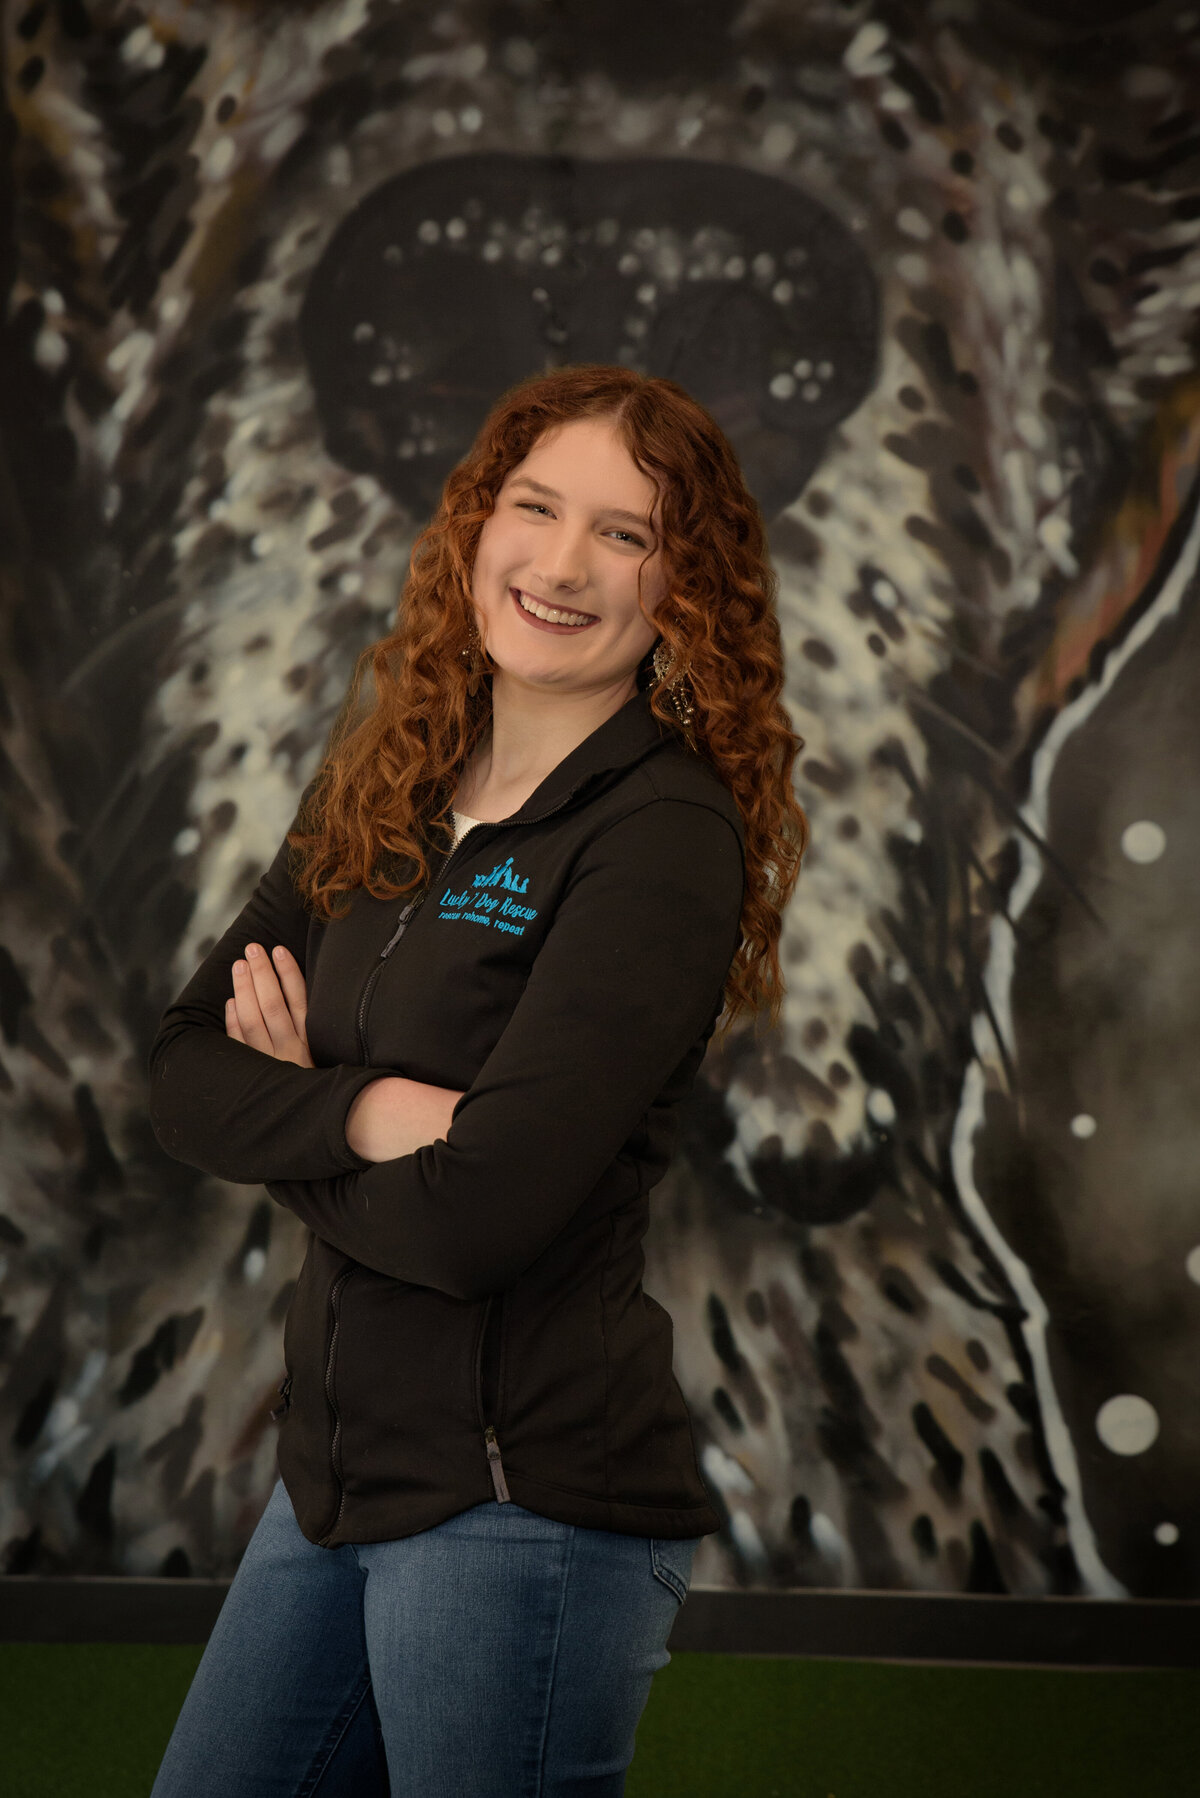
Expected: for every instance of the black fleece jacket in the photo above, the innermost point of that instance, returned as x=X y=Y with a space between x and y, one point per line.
x=469 y=1323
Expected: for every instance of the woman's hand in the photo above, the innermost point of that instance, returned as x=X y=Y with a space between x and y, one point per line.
x=394 y=1116
x=390 y=1117
x=269 y=1005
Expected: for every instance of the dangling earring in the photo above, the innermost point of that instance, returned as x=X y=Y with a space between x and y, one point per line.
x=472 y=657
x=677 y=688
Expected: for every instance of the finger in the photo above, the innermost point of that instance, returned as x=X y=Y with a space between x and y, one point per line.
x=291 y=979
x=232 y=1027
x=271 y=1003
x=249 y=1012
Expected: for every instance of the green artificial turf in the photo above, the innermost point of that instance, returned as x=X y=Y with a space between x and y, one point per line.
x=83 y=1721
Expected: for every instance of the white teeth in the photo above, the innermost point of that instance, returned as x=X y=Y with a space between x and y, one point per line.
x=549 y=613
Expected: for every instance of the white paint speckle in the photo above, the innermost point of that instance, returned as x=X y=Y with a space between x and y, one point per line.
x=1054 y=533
x=865 y=54
x=1192 y=1264
x=1127 y=1424
x=782 y=387
x=254 y=1265
x=913 y=270
x=429 y=231
x=50 y=348
x=778 y=141
x=186 y=841
x=880 y=1108
x=135 y=46
x=221 y=157
x=1167 y=1534
x=914 y=223
x=725 y=1473
x=747 y=1538
x=1083 y=1125
x=1144 y=841
x=826 y=1537
x=61 y=1419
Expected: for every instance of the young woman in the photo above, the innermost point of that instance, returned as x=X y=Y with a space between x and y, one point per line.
x=451 y=1031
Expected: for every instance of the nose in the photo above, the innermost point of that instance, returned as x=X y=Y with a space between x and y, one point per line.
x=561 y=560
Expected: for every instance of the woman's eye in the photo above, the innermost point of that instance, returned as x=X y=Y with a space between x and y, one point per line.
x=532 y=505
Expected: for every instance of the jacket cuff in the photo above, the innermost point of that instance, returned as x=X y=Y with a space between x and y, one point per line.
x=342 y=1093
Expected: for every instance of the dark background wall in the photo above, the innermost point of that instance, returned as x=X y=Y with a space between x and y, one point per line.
x=932 y=1248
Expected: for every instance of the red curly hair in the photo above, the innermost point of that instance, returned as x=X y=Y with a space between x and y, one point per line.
x=385 y=789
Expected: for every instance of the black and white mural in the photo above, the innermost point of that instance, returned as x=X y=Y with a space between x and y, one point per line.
x=932 y=1248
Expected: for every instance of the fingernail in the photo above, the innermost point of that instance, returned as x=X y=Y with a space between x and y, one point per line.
x=279 y=953
x=252 y=949
x=239 y=967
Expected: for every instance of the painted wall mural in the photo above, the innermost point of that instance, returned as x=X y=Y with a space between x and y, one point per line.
x=932 y=1248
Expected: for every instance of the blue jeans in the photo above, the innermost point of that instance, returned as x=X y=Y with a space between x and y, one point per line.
x=499 y=1655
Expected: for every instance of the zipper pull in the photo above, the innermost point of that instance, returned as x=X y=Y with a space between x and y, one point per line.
x=284 y=1387
x=401 y=927
x=497 y=1466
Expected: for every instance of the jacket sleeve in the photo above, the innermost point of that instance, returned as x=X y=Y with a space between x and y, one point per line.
x=234 y=1111
x=630 y=974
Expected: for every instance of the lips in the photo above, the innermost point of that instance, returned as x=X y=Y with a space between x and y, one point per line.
x=544 y=624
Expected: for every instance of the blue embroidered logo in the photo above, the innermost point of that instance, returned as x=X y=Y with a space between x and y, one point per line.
x=501 y=877
x=475 y=906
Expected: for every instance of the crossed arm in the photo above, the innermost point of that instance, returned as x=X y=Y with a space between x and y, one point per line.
x=267 y=1011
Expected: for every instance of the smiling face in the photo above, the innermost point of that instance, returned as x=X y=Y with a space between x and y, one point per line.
x=572 y=525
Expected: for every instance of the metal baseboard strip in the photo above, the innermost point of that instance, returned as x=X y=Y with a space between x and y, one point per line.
x=872 y=1626
x=941 y=1627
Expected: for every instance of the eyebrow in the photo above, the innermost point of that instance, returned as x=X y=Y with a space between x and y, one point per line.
x=524 y=480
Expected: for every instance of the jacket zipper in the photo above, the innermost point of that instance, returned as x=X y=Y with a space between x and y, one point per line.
x=334 y=1295
x=285 y=1390
x=414 y=905
x=495 y=1464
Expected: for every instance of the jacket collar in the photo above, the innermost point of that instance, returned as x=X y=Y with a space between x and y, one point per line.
x=621 y=741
